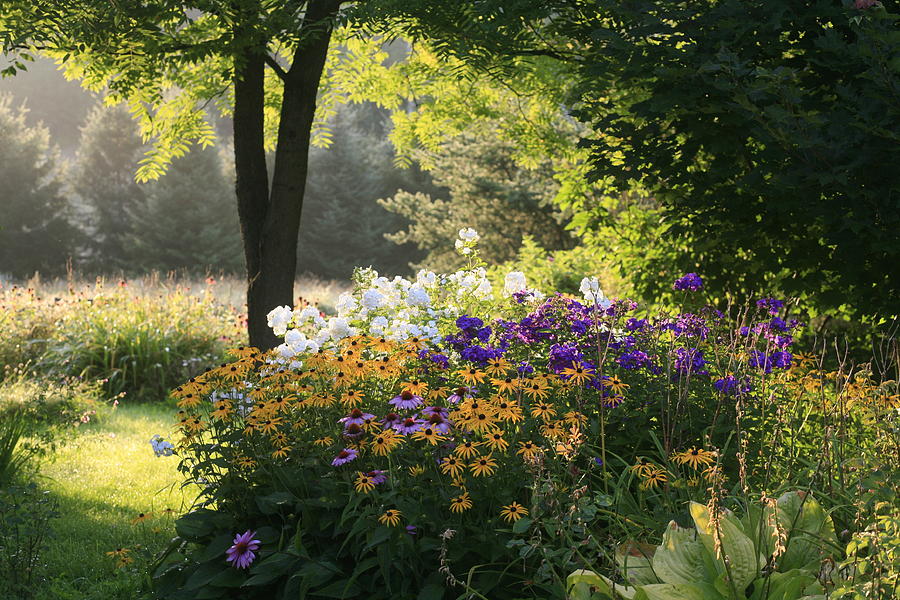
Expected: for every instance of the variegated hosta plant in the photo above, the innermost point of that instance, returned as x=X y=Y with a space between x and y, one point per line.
x=779 y=550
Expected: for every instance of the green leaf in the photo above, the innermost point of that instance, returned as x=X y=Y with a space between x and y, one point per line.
x=678 y=591
x=197 y=523
x=272 y=568
x=522 y=525
x=681 y=557
x=276 y=502
x=583 y=584
x=634 y=560
x=431 y=591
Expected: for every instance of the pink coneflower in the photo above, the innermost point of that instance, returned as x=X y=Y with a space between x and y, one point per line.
x=406 y=400
x=434 y=410
x=408 y=425
x=461 y=393
x=377 y=477
x=344 y=456
x=391 y=419
x=439 y=423
x=353 y=431
x=356 y=417
x=241 y=555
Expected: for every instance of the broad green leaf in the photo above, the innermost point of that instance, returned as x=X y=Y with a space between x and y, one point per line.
x=582 y=584
x=681 y=557
x=635 y=562
x=678 y=591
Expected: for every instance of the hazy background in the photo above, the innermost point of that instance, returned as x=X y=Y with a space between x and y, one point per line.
x=70 y=201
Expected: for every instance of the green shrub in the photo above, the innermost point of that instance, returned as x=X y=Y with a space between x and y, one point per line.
x=25 y=515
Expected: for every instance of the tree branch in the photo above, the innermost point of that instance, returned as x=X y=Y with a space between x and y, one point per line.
x=279 y=70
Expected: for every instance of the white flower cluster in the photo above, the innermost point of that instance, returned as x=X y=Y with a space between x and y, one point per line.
x=590 y=287
x=468 y=238
x=161 y=447
x=397 y=309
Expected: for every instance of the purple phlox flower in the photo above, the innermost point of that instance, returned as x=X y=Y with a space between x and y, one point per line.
x=411 y=529
x=377 y=477
x=770 y=305
x=689 y=282
x=599 y=461
x=479 y=354
x=409 y=425
x=356 y=417
x=461 y=393
x=437 y=358
x=467 y=323
x=521 y=297
x=689 y=360
x=391 y=419
x=241 y=554
x=634 y=359
x=435 y=410
x=483 y=334
x=563 y=355
x=781 y=359
x=687 y=324
x=732 y=386
x=344 y=456
x=633 y=324
x=622 y=342
x=406 y=400
x=759 y=360
x=524 y=368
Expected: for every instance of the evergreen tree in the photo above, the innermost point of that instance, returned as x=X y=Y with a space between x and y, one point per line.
x=343 y=224
x=35 y=231
x=487 y=189
x=187 y=221
x=103 y=178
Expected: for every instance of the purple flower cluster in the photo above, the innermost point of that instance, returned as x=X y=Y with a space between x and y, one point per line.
x=690 y=282
x=779 y=359
x=690 y=360
x=472 y=341
x=731 y=386
x=770 y=305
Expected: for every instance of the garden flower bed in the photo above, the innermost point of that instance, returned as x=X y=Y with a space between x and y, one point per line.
x=437 y=438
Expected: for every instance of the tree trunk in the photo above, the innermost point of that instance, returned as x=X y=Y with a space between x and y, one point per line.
x=270 y=220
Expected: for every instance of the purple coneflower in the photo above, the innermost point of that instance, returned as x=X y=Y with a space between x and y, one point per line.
x=406 y=400
x=344 y=456
x=377 y=477
x=241 y=555
x=461 y=394
x=391 y=419
x=353 y=431
x=356 y=417
x=435 y=410
x=408 y=425
x=439 y=423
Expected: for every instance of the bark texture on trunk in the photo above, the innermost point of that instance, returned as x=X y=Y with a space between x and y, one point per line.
x=270 y=219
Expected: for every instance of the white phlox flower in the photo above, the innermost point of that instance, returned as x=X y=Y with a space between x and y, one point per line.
x=514 y=282
x=590 y=287
x=279 y=318
x=161 y=447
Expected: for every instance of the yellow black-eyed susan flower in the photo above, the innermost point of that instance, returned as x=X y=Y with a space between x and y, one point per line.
x=513 y=512
x=390 y=517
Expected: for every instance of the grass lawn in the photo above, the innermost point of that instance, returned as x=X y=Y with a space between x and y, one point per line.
x=103 y=480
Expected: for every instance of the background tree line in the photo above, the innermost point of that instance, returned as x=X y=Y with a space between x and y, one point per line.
x=75 y=198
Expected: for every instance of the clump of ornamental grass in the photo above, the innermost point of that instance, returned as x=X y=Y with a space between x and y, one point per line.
x=136 y=343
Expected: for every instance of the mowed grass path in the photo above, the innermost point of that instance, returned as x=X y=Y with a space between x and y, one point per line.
x=103 y=480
